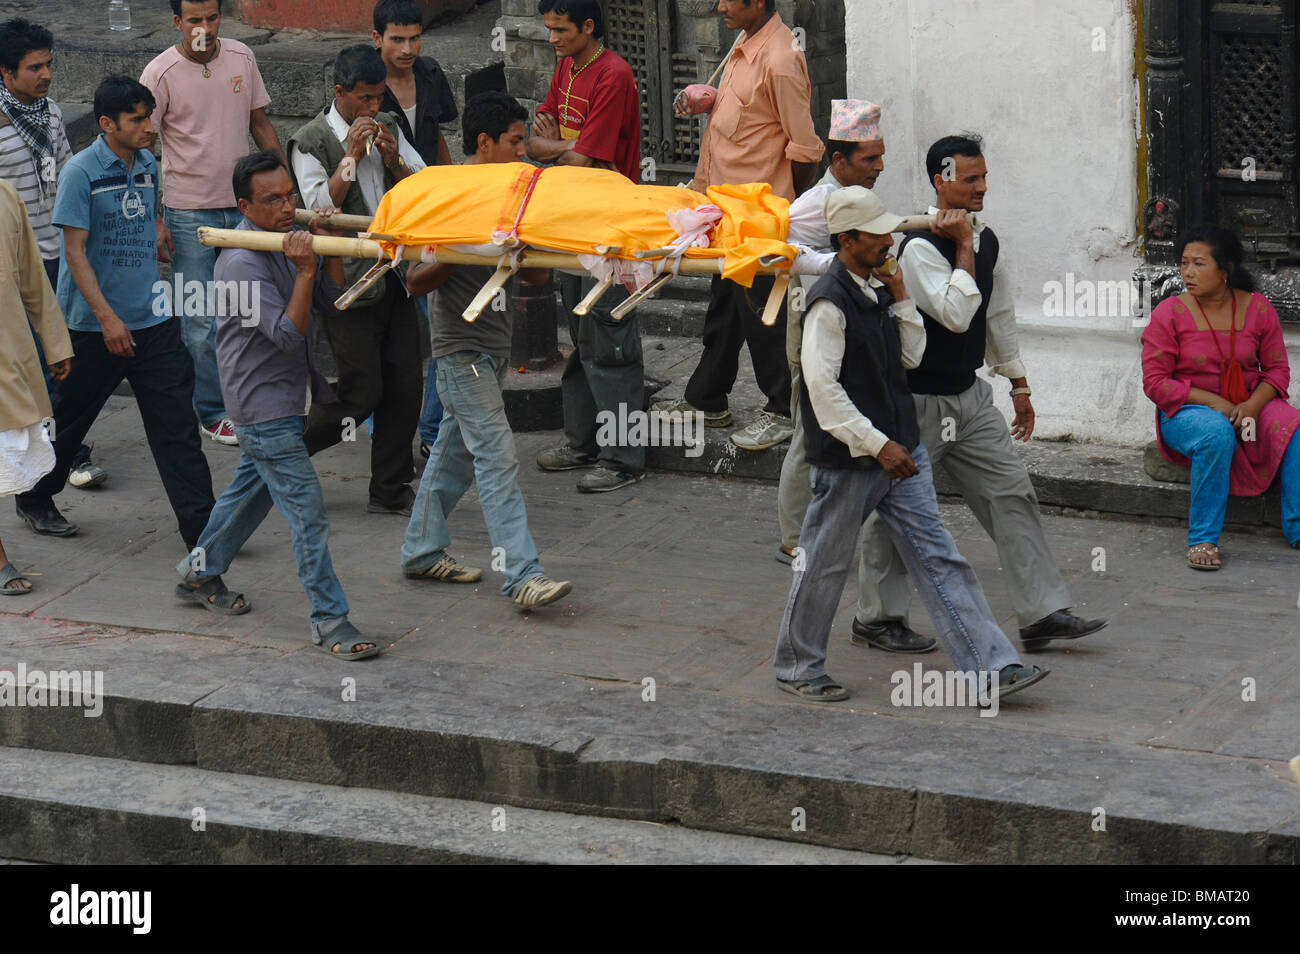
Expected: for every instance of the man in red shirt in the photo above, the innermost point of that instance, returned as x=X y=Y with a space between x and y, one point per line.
x=592 y=117
x=592 y=113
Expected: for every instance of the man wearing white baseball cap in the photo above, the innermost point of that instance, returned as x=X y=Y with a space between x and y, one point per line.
x=860 y=334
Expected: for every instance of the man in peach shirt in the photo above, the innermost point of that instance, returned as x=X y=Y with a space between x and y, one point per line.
x=760 y=130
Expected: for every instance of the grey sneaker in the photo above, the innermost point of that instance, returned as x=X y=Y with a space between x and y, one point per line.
x=766 y=430
x=448 y=571
x=541 y=590
x=711 y=418
x=85 y=473
x=563 y=457
x=603 y=479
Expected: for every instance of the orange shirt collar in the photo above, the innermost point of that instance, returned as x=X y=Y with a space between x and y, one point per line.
x=750 y=46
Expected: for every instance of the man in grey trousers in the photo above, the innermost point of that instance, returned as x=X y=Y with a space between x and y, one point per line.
x=963 y=295
x=863 y=443
x=857 y=151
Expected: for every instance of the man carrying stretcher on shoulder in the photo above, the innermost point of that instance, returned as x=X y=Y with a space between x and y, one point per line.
x=474 y=441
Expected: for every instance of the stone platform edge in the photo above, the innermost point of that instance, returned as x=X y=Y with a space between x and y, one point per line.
x=585 y=746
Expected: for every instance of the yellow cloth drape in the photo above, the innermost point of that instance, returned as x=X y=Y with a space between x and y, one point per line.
x=573 y=209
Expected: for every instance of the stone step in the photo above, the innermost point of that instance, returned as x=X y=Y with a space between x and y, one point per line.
x=1067 y=474
x=599 y=747
x=147 y=814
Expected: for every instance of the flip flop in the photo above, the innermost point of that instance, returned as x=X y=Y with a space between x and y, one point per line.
x=212 y=595
x=347 y=635
x=8 y=575
x=1211 y=549
x=1013 y=678
x=811 y=690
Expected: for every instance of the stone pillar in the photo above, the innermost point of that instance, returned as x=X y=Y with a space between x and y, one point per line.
x=1166 y=76
x=1164 y=214
x=534 y=342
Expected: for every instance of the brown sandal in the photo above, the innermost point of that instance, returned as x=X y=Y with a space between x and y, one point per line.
x=1210 y=548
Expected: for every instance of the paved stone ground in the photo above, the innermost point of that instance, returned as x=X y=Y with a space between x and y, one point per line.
x=674 y=578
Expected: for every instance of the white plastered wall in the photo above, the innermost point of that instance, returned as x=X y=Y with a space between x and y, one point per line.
x=1051 y=88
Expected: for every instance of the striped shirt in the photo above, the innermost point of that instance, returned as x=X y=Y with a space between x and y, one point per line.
x=20 y=168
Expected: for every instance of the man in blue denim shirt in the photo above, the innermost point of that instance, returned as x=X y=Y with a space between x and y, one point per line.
x=264 y=361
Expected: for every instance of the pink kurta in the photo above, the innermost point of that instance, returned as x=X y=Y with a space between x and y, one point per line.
x=1177 y=356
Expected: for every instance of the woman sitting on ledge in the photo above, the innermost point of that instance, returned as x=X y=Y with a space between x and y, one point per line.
x=1214 y=363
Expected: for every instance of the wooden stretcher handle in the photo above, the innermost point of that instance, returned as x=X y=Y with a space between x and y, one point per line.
x=774 y=299
x=584 y=307
x=489 y=291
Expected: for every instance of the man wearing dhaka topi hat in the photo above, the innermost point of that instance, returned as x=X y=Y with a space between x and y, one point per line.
x=864 y=446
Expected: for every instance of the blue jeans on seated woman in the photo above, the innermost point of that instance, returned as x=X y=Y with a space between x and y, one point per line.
x=1207 y=437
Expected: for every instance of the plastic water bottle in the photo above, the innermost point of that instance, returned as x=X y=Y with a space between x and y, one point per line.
x=119 y=15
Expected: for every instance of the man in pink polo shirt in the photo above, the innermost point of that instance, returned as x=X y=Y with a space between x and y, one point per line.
x=210 y=98
x=760 y=130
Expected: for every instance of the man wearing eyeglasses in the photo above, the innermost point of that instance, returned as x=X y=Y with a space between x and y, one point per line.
x=267 y=379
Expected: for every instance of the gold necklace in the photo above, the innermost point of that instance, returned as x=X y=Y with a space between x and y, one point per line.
x=573 y=74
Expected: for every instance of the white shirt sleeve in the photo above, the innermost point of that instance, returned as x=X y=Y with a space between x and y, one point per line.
x=808 y=219
x=313 y=180
x=948 y=295
x=911 y=331
x=408 y=153
x=1001 y=342
x=822 y=355
x=810 y=233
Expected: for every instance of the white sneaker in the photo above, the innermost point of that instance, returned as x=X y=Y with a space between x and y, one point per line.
x=766 y=430
x=541 y=590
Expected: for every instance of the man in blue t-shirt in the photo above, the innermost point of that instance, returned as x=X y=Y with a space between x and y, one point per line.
x=120 y=327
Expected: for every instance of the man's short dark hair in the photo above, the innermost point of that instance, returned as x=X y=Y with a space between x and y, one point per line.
x=490 y=112
x=966 y=145
x=251 y=165
x=116 y=95
x=18 y=37
x=397 y=13
x=835 y=239
x=176 y=5
x=846 y=149
x=579 y=11
x=359 y=63
x=769 y=5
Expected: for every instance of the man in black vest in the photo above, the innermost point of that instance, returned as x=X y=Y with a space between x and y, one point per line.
x=347 y=157
x=865 y=451
x=965 y=299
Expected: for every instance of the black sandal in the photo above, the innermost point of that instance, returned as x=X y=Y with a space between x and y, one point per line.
x=212 y=595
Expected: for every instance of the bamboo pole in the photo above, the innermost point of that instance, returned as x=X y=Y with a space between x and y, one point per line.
x=359 y=223
x=912 y=223
x=367 y=248
x=339 y=220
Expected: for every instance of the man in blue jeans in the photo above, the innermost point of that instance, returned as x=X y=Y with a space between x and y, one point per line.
x=474 y=442
x=859 y=334
x=266 y=376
